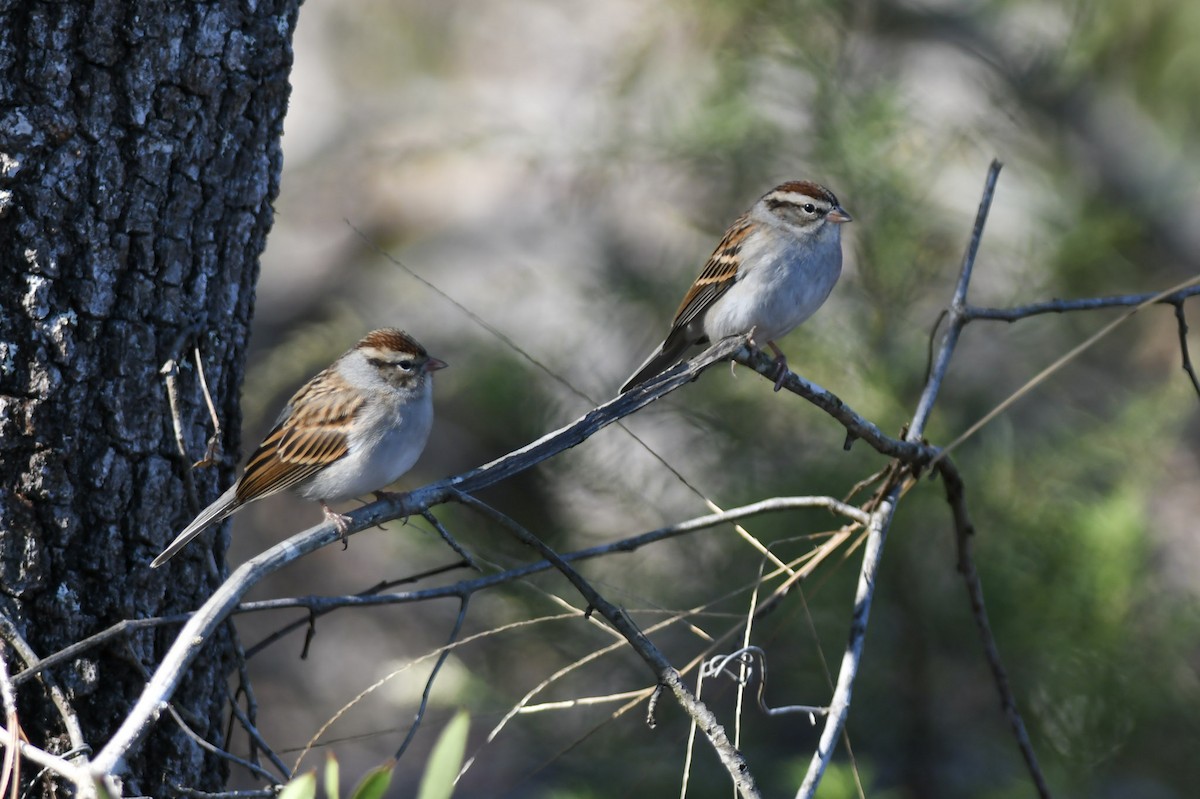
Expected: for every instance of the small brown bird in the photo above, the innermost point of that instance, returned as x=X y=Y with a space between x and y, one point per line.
x=773 y=269
x=354 y=428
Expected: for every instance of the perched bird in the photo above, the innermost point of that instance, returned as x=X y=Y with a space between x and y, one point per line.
x=773 y=268
x=353 y=429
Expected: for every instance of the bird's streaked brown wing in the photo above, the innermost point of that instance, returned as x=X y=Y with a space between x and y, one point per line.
x=312 y=433
x=718 y=275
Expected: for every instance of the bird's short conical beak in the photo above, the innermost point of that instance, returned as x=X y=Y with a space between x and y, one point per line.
x=838 y=215
x=433 y=364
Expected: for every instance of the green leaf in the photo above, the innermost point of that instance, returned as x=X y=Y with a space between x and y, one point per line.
x=375 y=783
x=303 y=787
x=446 y=759
x=331 y=777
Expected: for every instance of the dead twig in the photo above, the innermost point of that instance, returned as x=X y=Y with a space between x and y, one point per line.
x=964 y=532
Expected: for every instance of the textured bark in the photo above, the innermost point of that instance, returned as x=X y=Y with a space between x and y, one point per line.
x=139 y=155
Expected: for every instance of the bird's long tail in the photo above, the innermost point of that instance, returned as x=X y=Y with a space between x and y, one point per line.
x=669 y=354
x=224 y=505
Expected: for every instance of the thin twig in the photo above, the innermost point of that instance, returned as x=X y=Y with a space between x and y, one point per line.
x=857 y=427
x=249 y=717
x=957 y=312
x=585 y=701
x=10 y=633
x=965 y=535
x=665 y=673
x=1086 y=304
x=689 y=750
x=887 y=496
x=745 y=658
x=839 y=705
x=12 y=761
x=66 y=654
x=214 y=440
x=259 y=793
x=248 y=724
x=78 y=775
x=170 y=373
x=1183 y=345
x=315 y=612
x=217 y=751
x=450 y=542
x=1059 y=363
x=433 y=673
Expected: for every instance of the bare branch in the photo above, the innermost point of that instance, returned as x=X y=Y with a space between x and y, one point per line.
x=170 y=374
x=315 y=612
x=433 y=673
x=10 y=633
x=1060 y=362
x=881 y=518
x=248 y=718
x=214 y=439
x=745 y=658
x=78 y=775
x=957 y=319
x=1087 y=304
x=37 y=666
x=839 y=705
x=910 y=451
x=450 y=542
x=665 y=673
x=1183 y=345
x=248 y=724
x=965 y=535
x=11 y=772
x=217 y=751
x=324 y=604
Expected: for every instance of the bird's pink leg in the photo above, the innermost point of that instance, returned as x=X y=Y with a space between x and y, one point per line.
x=340 y=521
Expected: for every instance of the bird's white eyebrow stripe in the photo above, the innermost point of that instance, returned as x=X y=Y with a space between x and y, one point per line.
x=791 y=197
x=384 y=356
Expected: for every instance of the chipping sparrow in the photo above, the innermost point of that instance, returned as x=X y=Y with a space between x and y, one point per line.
x=354 y=428
x=775 y=266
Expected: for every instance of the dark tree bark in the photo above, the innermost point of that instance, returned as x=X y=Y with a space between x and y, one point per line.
x=139 y=155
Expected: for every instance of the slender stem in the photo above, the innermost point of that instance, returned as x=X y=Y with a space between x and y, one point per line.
x=839 y=705
x=958 y=306
x=666 y=673
x=881 y=518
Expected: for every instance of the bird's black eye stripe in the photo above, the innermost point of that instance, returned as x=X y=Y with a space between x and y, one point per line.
x=809 y=208
x=405 y=365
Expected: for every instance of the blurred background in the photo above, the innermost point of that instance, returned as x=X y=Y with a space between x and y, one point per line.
x=562 y=170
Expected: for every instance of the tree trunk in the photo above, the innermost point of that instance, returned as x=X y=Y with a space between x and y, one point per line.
x=139 y=155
